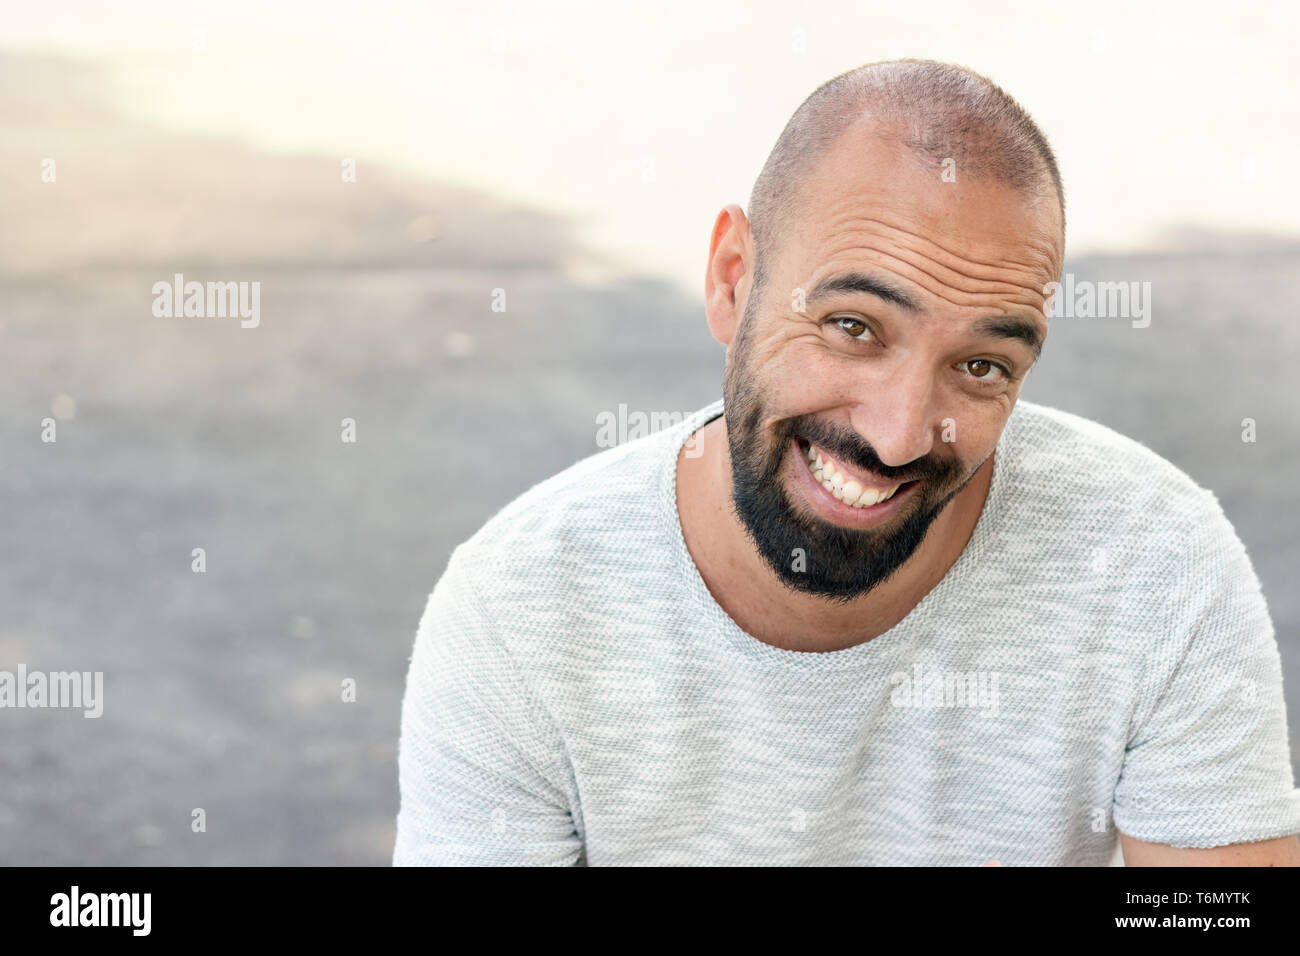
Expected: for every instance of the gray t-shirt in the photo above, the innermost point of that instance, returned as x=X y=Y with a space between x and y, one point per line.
x=1099 y=656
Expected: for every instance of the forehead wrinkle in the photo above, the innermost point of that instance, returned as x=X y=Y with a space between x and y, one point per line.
x=1005 y=291
x=945 y=277
x=957 y=263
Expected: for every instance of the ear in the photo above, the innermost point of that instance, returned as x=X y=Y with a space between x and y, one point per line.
x=728 y=277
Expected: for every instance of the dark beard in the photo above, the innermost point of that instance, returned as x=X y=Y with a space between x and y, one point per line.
x=839 y=563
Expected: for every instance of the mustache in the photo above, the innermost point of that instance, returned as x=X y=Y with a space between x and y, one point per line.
x=853 y=449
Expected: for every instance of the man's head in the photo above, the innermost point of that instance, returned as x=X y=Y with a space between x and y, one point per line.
x=881 y=306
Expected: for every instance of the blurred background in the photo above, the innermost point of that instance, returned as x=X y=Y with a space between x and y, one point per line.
x=575 y=157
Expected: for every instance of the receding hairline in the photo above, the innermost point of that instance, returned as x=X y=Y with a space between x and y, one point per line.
x=939 y=111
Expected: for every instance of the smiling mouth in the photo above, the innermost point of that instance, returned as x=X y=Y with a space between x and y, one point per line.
x=849 y=485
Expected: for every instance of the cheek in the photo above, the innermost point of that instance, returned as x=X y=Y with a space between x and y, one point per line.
x=815 y=375
x=977 y=419
x=795 y=371
x=970 y=438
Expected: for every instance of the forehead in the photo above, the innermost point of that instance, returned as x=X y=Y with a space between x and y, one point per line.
x=870 y=198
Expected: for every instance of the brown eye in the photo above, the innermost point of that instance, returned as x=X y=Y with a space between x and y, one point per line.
x=852 y=327
x=983 y=370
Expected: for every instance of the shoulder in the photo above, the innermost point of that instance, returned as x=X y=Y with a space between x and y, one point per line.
x=1077 y=476
x=1085 y=450
x=578 y=558
x=605 y=514
x=596 y=498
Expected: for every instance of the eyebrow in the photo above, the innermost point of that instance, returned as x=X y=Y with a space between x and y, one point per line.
x=861 y=282
x=1011 y=327
x=1000 y=326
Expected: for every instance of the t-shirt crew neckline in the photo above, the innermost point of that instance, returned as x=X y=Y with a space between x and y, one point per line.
x=721 y=630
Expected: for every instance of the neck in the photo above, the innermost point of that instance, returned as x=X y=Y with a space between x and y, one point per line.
x=756 y=598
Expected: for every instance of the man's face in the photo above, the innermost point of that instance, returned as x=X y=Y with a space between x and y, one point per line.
x=889 y=338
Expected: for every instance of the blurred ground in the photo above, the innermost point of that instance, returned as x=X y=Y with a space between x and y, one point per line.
x=222 y=689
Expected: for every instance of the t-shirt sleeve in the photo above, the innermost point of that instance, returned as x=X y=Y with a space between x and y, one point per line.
x=1207 y=762
x=480 y=763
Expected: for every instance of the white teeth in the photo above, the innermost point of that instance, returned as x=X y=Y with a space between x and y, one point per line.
x=848 y=490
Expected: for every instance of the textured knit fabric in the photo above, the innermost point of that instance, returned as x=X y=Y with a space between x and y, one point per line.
x=577 y=696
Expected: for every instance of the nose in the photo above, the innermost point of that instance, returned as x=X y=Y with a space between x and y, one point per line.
x=896 y=414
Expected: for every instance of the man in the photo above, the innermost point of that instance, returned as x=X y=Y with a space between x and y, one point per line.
x=887 y=614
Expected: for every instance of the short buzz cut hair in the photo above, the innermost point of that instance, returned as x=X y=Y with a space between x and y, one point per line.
x=939 y=111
